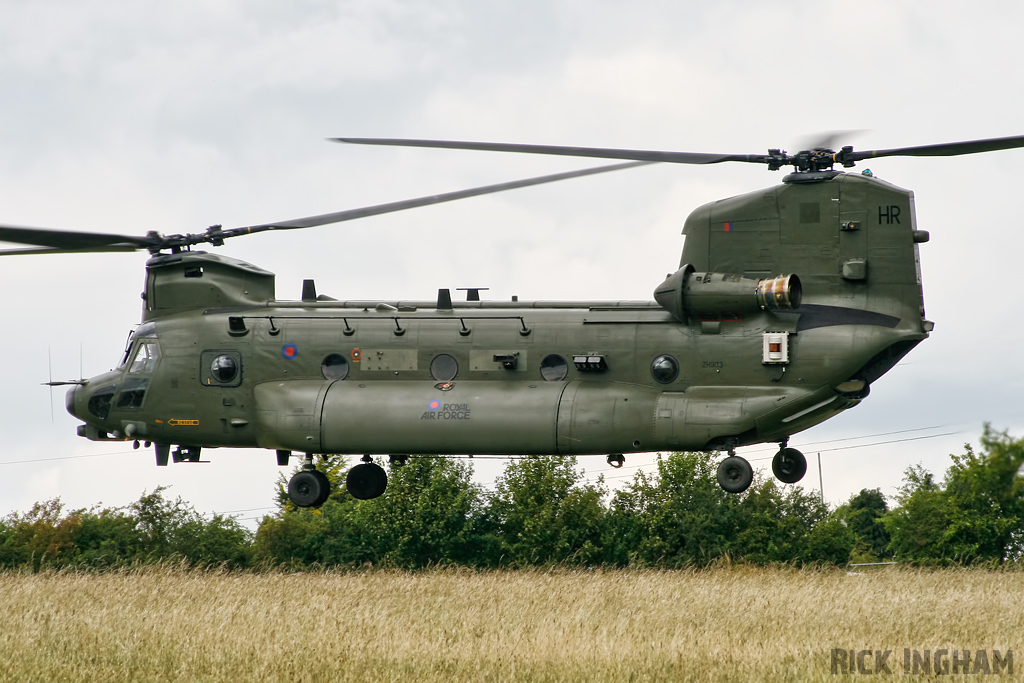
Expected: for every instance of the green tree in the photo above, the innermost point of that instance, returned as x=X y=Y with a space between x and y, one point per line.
x=544 y=515
x=774 y=525
x=290 y=539
x=429 y=515
x=107 y=537
x=42 y=537
x=677 y=517
x=152 y=529
x=863 y=514
x=829 y=542
x=976 y=515
x=218 y=540
x=917 y=526
x=986 y=495
x=157 y=520
x=174 y=530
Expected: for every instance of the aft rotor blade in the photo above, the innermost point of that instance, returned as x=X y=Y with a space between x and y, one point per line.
x=352 y=214
x=65 y=241
x=946 y=149
x=597 y=152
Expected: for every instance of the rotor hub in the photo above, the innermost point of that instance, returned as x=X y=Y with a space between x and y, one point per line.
x=811 y=160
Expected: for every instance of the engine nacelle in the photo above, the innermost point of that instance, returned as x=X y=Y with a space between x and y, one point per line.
x=725 y=296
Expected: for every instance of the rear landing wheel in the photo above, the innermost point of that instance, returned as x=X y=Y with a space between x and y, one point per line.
x=789 y=465
x=735 y=474
x=366 y=480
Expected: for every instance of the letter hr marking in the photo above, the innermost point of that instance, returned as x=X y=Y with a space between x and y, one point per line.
x=889 y=214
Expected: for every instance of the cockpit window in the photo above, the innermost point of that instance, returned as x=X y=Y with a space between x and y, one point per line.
x=132 y=393
x=99 y=403
x=146 y=356
x=127 y=353
x=143 y=330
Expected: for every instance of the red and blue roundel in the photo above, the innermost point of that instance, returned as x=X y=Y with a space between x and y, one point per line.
x=434 y=405
x=289 y=351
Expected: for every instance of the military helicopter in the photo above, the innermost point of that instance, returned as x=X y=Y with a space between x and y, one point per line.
x=788 y=304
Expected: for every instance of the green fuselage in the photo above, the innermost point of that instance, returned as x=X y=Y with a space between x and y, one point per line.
x=225 y=364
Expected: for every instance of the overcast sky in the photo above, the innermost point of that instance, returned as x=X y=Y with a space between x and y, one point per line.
x=128 y=117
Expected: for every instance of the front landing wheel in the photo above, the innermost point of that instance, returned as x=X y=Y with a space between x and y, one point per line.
x=735 y=474
x=309 y=488
x=366 y=480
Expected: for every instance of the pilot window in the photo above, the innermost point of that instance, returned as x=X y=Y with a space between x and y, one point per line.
x=146 y=357
x=133 y=392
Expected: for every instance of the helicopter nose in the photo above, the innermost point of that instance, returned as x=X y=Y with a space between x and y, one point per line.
x=69 y=400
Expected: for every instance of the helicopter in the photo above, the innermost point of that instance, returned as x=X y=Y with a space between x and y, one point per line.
x=788 y=303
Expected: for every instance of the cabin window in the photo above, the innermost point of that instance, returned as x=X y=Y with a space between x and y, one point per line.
x=224 y=368
x=444 y=367
x=334 y=366
x=665 y=369
x=554 y=368
x=220 y=368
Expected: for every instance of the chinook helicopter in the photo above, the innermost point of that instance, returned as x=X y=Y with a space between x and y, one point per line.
x=787 y=305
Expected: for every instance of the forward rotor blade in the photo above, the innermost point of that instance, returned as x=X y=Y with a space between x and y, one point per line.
x=69 y=242
x=47 y=250
x=946 y=149
x=351 y=214
x=598 y=152
x=65 y=241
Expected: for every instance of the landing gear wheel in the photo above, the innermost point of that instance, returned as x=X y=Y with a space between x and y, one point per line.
x=366 y=480
x=789 y=465
x=735 y=474
x=327 y=488
x=309 y=488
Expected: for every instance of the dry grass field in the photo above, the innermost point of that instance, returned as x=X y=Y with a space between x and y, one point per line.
x=723 y=624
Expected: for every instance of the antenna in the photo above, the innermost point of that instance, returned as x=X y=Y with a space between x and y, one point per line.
x=821 y=486
x=49 y=377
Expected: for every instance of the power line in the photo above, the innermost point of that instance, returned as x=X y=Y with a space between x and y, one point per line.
x=874 y=443
x=821 y=450
x=870 y=436
x=64 y=457
x=232 y=512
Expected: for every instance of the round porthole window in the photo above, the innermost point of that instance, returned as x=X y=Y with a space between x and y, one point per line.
x=334 y=366
x=224 y=368
x=444 y=368
x=554 y=368
x=665 y=369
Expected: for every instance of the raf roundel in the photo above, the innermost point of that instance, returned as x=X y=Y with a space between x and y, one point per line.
x=434 y=405
x=289 y=351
